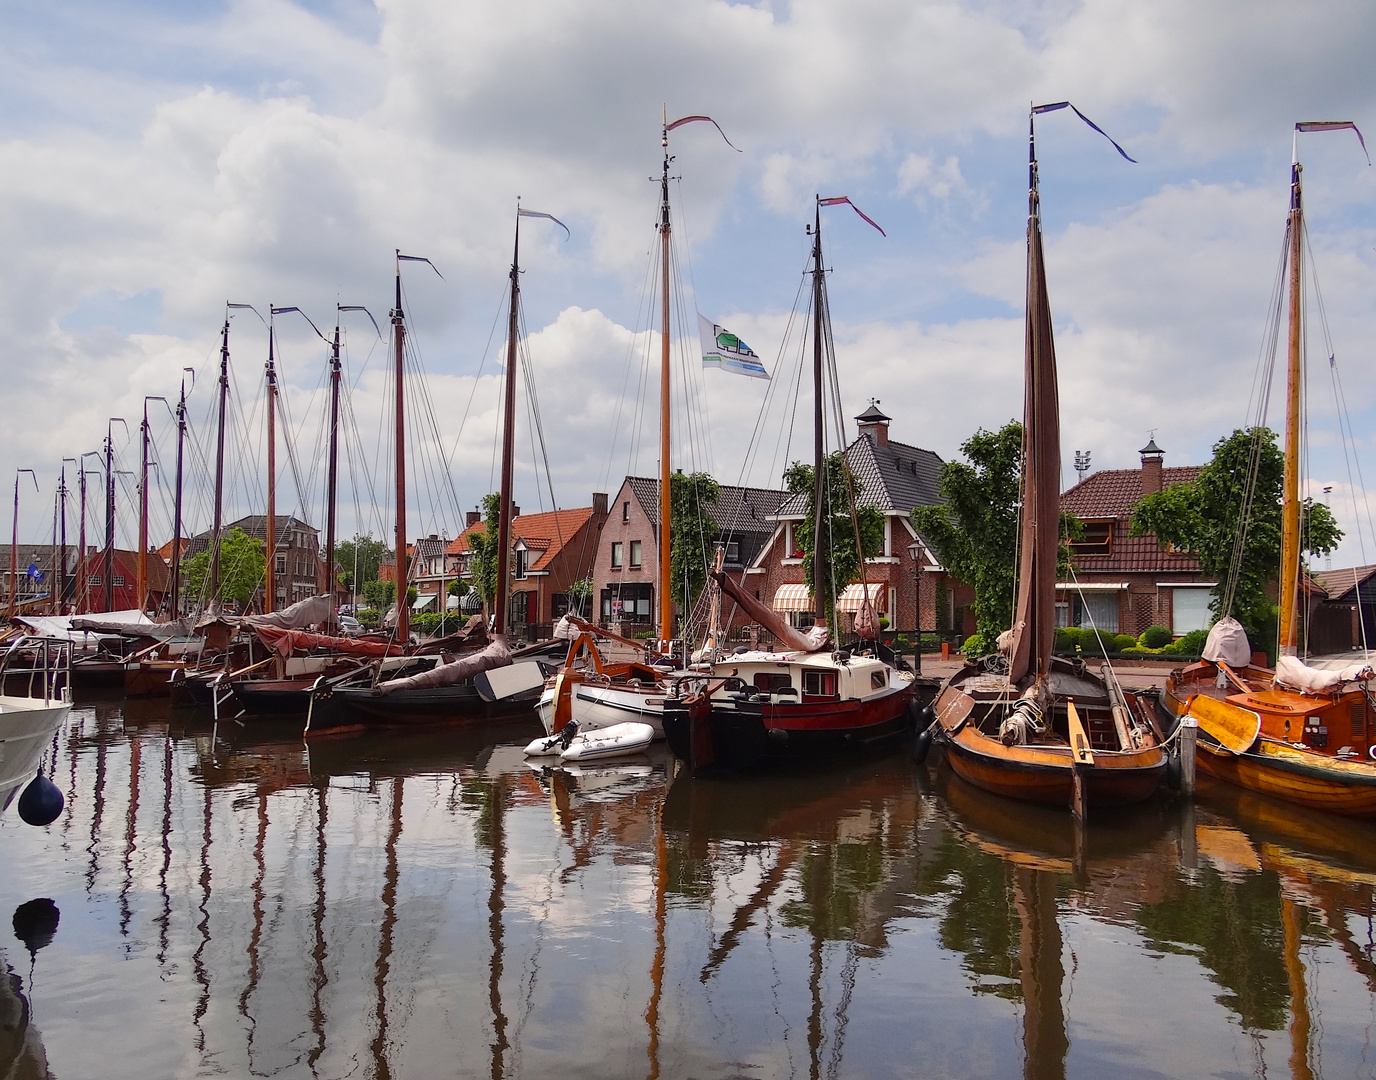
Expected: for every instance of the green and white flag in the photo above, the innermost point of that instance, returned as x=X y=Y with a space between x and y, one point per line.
x=723 y=349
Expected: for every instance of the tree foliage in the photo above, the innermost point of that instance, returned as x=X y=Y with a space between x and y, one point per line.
x=838 y=529
x=371 y=554
x=692 y=532
x=242 y=567
x=379 y=594
x=975 y=535
x=486 y=556
x=1204 y=515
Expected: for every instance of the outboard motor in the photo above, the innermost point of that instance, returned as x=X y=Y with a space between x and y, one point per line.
x=567 y=732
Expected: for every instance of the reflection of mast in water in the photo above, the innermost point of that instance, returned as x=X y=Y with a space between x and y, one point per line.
x=130 y=835
x=198 y=957
x=1292 y=921
x=255 y=939
x=384 y=946
x=97 y=811
x=657 y=965
x=319 y=978
x=1044 y=1039
x=165 y=919
x=495 y=906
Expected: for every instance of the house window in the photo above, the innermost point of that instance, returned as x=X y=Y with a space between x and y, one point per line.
x=1189 y=610
x=801 y=620
x=635 y=554
x=94 y=579
x=632 y=601
x=521 y=564
x=1097 y=538
x=733 y=552
x=119 y=581
x=281 y=561
x=616 y=554
x=1099 y=611
x=626 y=511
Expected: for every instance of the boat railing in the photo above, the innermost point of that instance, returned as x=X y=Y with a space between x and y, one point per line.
x=49 y=662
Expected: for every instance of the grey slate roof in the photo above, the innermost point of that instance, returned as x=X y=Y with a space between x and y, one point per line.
x=255 y=525
x=739 y=510
x=893 y=478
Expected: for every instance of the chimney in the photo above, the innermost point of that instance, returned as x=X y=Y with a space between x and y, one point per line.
x=599 y=504
x=874 y=423
x=473 y=517
x=1151 y=467
x=515 y=511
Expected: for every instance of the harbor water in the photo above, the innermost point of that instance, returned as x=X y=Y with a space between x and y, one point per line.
x=226 y=901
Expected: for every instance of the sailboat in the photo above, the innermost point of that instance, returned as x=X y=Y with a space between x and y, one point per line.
x=491 y=682
x=1024 y=723
x=806 y=701
x=1297 y=734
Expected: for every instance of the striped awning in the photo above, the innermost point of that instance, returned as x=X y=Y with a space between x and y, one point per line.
x=792 y=598
x=854 y=595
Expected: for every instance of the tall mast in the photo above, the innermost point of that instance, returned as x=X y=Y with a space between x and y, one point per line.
x=219 y=465
x=110 y=516
x=14 y=540
x=141 y=585
x=508 y=435
x=83 y=595
x=60 y=578
x=270 y=533
x=1290 y=488
x=332 y=467
x=399 y=337
x=821 y=552
x=177 y=502
x=666 y=599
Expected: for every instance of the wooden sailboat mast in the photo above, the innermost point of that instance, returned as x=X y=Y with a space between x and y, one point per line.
x=500 y=602
x=1034 y=622
x=14 y=539
x=1290 y=486
x=110 y=514
x=399 y=339
x=145 y=439
x=219 y=464
x=270 y=526
x=666 y=598
x=175 y=609
x=332 y=467
x=821 y=554
x=60 y=577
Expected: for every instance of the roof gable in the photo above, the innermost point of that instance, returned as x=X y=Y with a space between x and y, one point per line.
x=737 y=509
x=1112 y=493
x=893 y=479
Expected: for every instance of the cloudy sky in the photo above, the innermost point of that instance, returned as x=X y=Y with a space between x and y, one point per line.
x=159 y=159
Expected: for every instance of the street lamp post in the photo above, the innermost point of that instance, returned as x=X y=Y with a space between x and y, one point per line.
x=915 y=550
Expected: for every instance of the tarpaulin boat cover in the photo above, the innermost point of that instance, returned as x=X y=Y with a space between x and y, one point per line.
x=303 y=613
x=1296 y=674
x=129 y=623
x=1227 y=642
x=288 y=641
x=496 y=655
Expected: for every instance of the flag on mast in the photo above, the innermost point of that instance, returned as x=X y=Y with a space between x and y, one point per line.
x=724 y=350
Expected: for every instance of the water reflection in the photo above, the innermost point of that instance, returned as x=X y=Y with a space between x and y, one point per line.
x=236 y=902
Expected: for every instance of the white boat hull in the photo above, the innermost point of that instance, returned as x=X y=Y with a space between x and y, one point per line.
x=26 y=729
x=597 y=707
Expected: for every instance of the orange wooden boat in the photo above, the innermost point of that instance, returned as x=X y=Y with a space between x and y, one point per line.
x=1311 y=746
x=1028 y=725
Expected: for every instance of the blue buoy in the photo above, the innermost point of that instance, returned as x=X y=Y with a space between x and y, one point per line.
x=35 y=923
x=41 y=802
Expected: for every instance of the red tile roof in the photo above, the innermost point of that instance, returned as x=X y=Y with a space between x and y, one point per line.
x=545 y=533
x=1113 y=493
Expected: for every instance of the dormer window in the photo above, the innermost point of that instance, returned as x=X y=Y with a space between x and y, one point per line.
x=1097 y=538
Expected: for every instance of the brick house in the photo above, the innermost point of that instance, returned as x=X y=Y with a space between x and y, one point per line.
x=550 y=552
x=1125 y=584
x=626 y=571
x=298 y=570
x=908 y=584
x=90 y=572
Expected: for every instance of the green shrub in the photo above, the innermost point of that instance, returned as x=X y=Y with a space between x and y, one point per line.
x=1155 y=637
x=1192 y=644
x=1092 y=644
x=883 y=622
x=977 y=645
x=370 y=617
x=1068 y=639
x=901 y=643
x=1123 y=641
x=932 y=642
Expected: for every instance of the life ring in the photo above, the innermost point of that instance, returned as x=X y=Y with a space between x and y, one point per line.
x=1371 y=751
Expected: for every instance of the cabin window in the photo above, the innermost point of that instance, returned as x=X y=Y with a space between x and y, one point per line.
x=819 y=684
x=879 y=679
x=626 y=511
x=1189 y=610
x=616 y=554
x=772 y=683
x=635 y=554
x=1097 y=538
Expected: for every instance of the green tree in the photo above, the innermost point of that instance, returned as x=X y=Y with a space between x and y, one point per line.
x=242 y=567
x=975 y=535
x=579 y=593
x=371 y=554
x=838 y=528
x=692 y=532
x=379 y=594
x=1204 y=515
x=486 y=558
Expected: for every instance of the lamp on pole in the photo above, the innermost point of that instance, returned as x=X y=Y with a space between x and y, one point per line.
x=915 y=552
